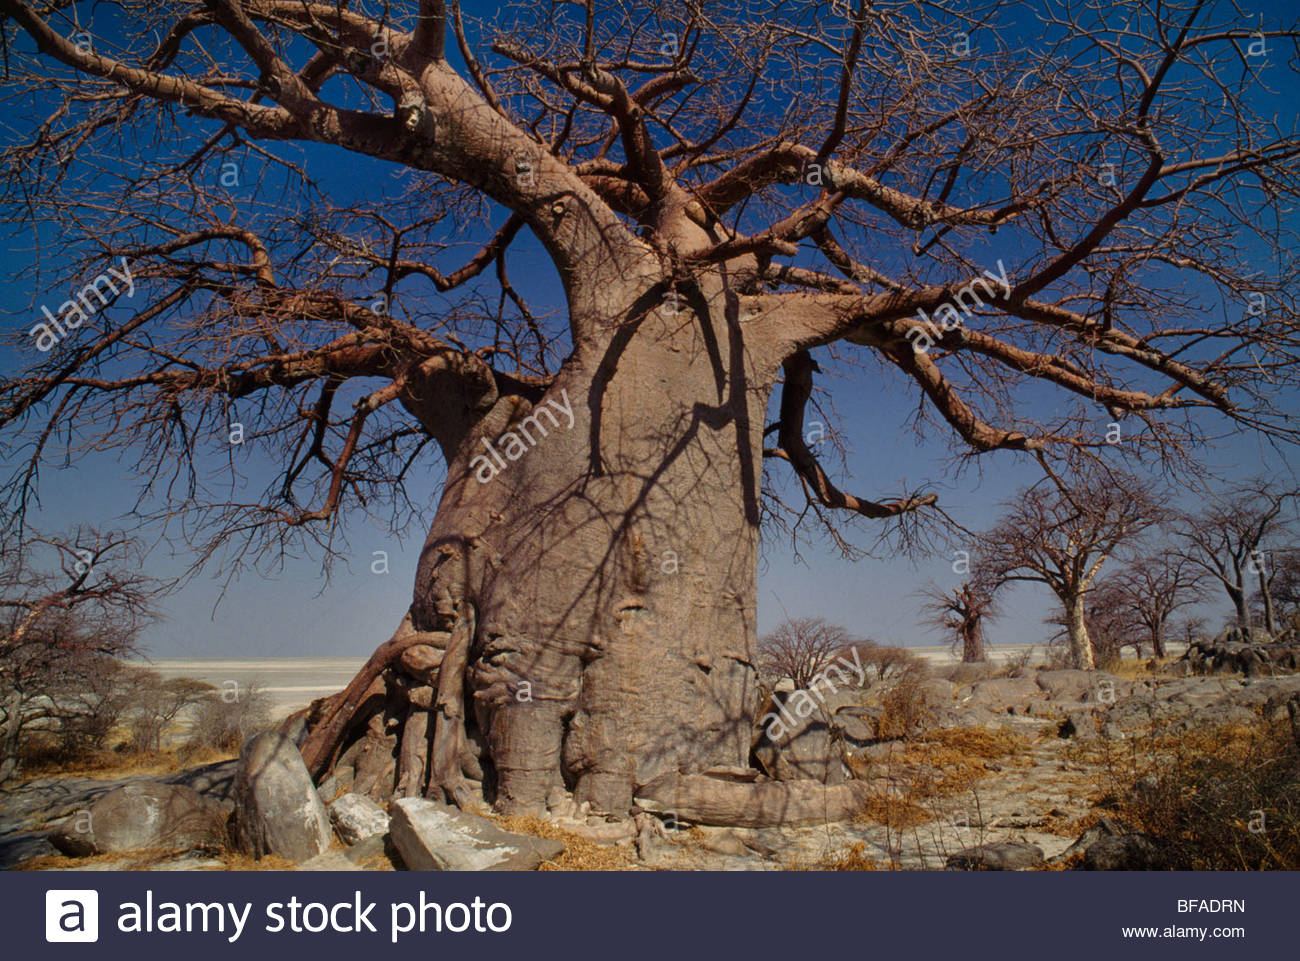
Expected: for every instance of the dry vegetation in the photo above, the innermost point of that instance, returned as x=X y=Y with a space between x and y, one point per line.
x=44 y=757
x=852 y=858
x=948 y=762
x=580 y=854
x=1226 y=799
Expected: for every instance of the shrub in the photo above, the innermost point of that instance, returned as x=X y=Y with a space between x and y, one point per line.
x=907 y=708
x=887 y=660
x=155 y=703
x=1221 y=800
x=226 y=718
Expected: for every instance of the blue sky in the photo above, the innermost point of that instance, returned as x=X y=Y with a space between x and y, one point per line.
x=295 y=611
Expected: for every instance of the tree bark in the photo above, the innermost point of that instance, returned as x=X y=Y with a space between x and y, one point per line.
x=1077 y=631
x=972 y=648
x=11 y=737
x=1270 y=622
x=1237 y=593
x=592 y=588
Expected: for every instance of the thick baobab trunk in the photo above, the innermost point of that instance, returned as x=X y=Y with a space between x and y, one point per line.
x=1157 y=644
x=584 y=609
x=1076 y=628
x=972 y=644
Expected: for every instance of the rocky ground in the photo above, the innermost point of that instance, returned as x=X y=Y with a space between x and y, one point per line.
x=966 y=771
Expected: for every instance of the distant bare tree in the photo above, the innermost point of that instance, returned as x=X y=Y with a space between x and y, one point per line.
x=1190 y=627
x=1149 y=590
x=1226 y=539
x=66 y=606
x=961 y=612
x=800 y=648
x=1061 y=531
x=158 y=703
x=1285 y=588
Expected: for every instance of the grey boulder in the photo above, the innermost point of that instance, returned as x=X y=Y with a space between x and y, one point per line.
x=1123 y=852
x=1000 y=856
x=435 y=837
x=140 y=816
x=356 y=818
x=277 y=809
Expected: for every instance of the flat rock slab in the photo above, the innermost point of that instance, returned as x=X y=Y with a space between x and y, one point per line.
x=435 y=837
x=215 y=781
x=17 y=848
x=701 y=799
x=1000 y=856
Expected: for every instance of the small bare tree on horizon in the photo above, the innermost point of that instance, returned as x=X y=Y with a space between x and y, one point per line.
x=1229 y=537
x=961 y=612
x=801 y=648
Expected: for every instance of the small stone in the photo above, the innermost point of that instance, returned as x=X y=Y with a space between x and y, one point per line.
x=725 y=842
x=1124 y=852
x=999 y=856
x=1079 y=725
x=329 y=861
x=371 y=847
x=356 y=818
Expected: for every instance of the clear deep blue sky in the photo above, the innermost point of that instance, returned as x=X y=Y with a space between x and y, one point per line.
x=296 y=612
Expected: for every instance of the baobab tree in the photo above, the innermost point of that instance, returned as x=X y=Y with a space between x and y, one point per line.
x=733 y=197
x=1149 y=590
x=1060 y=532
x=1229 y=539
x=961 y=612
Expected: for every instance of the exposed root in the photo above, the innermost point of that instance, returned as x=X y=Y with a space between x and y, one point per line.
x=332 y=716
x=449 y=741
x=752 y=803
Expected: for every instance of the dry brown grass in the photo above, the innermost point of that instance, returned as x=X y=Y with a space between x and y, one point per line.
x=580 y=854
x=852 y=858
x=151 y=858
x=949 y=761
x=1198 y=792
x=894 y=812
x=905 y=708
x=1071 y=827
x=1133 y=669
x=234 y=861
x=112 y=765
